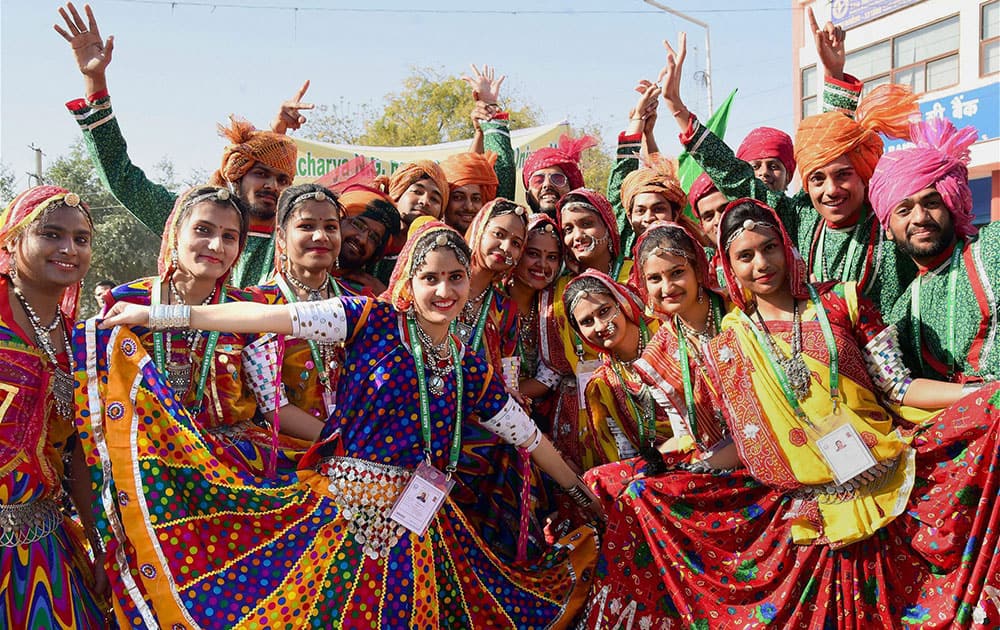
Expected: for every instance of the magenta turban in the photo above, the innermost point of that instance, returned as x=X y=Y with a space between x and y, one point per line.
x=939 y=160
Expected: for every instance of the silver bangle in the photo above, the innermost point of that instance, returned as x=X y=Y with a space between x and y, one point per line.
x=579 y=497
x=169 y=316
x=968 y=388
x=535 y=442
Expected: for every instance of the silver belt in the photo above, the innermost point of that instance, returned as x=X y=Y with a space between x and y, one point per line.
x=365 y=493
x=25 y=523
x=870 y=481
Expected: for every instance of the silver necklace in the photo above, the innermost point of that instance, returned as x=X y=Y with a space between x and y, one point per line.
x=794 y=366
x=62 y=380
x=438 y=360
x=704 y=335
x=315 y=295
x=469 y=310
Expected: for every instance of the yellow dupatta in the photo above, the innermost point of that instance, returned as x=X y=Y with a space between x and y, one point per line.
x=780 y=449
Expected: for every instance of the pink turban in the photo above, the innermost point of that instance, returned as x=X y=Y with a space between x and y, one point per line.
x=767 y=142
x=566 y=156
x=940 y=159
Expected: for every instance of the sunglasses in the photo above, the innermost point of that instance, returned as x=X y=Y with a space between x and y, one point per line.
x=556 y=179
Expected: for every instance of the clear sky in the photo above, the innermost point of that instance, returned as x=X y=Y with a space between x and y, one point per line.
x=178 y=70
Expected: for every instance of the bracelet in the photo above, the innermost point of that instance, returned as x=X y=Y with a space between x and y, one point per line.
x=679 y=112
x=169 y=316
x=535 y=442
x=969 y=388
x=579 y=497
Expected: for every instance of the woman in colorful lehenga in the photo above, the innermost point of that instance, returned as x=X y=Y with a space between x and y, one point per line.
x=591 y=241
x=488 y=321
x=322 y=549
x=624 y=420
x=856 y=508
x=307 y=245
x=48 y=579
x=219 y=377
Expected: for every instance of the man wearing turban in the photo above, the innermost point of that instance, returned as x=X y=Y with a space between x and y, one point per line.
x=551 y=172
x=770 y=154
x=256 y=165
x=830 y=220
x=371 y=222
x=472 y=183
x=947 y=317
x=652 y=193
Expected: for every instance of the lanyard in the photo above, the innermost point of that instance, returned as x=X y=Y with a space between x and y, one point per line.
x=949 y=348
x=321 y=367
x=819 y=269
x=779 y=373
x=160 y=353
x=692 y=416
x=425 y=406
x=477 y=338
x=644 y=419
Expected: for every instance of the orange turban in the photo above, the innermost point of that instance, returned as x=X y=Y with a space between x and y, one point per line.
x=463 y=169
x=415 y=171
x=657 y=175
x=248 y=146
x=825 y=137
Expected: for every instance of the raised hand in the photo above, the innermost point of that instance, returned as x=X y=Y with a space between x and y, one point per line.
x=829 y=46
x=93 y=54
x=670 y=79
x=290 y=115
x=484 y=86
x=643 y=115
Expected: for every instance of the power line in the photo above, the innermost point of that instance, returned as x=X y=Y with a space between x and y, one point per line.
x=411 y=11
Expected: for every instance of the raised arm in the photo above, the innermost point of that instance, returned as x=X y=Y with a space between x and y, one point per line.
x=493 y=127
x=148 y=201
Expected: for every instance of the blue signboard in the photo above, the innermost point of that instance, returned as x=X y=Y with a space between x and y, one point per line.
x=979 y=108
x=850 y=13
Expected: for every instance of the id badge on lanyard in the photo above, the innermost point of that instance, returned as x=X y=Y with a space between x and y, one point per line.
x=584 y=370
x=421 y=499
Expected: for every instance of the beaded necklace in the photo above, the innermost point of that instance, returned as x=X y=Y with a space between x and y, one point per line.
x=62 y=381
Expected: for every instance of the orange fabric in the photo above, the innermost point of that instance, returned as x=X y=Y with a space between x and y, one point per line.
x=657 y=175
x=415 y=171
x=463 y=169
x=825 y=137
x=248 y=146
x=358 y=197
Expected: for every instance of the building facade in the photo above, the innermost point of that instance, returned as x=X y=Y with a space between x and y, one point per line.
x=947 y=51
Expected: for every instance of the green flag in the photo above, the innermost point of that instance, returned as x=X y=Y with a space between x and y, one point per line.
x=688 y=169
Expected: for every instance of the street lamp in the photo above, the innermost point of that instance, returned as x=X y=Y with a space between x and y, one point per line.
x=708 y=53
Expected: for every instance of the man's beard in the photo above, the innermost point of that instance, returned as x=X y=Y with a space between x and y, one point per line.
x=946 y=236
x=258 y=212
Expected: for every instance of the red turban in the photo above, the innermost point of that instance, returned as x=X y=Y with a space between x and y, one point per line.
x=767 y=142
x=940 y=159
x=464 y=169
x=701 y=188
x=825 y=137
x=566 y=156
x=249 y=146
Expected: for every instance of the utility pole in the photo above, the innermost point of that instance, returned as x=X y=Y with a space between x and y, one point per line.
x=38 y=165
x=708 y=49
